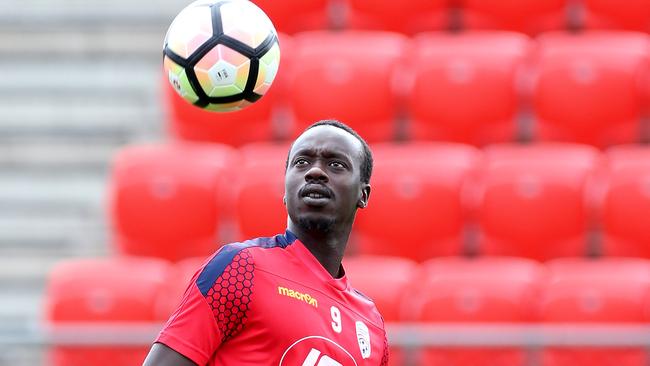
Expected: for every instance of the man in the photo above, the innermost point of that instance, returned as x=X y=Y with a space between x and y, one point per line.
x=285 y=300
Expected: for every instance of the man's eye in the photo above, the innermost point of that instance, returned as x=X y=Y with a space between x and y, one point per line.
x=300 y=162
x=337 y=164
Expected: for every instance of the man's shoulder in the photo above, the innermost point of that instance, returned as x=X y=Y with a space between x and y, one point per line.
x=239 y=256
x=368 y=308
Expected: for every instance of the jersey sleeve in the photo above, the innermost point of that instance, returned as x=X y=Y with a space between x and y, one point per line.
x=214 y=307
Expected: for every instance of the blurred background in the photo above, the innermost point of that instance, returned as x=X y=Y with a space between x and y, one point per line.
x=511 y=184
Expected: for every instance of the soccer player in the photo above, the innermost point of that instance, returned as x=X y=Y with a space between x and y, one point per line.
x=285 y=300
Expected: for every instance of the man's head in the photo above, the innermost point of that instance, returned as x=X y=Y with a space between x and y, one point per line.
x=327 y=176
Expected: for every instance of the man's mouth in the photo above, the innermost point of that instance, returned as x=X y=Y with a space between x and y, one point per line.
x=315 y=194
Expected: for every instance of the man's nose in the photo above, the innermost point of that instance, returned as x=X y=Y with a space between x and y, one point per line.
x=316 y=174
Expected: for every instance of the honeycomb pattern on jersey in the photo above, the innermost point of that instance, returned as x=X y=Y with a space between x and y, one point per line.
x=230 y=296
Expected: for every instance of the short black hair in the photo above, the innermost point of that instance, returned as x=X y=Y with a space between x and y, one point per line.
x=366 y=158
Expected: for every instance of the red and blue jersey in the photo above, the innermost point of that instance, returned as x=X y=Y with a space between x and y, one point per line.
x=269 y=301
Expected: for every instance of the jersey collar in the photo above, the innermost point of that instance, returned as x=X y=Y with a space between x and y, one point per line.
x=310 y=261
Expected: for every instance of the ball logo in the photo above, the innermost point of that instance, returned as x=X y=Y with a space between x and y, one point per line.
x=363 y=337
x=316 y=351
x=176 y=83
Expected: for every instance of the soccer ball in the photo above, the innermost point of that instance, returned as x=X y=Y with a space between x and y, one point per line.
x=221 y=55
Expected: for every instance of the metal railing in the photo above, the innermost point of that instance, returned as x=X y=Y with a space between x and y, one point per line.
x=410 y=337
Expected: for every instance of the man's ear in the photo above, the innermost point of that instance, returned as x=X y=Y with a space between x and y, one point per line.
x=365 y=195
x=284 y=200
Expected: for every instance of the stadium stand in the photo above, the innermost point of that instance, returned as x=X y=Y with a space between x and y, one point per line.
x=465 y=86
x=167 y=200
x=625 y=204
x=475 y=291
x=356 y=86
x=85 y=81
x=586 y=93
x=95 y=295
x=580 y=290
x=533 y=200
x=416 y=210
x=611 y=14
x=409 y=18
x=527 y=16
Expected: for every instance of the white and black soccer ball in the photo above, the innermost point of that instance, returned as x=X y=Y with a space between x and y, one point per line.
x=221 y=55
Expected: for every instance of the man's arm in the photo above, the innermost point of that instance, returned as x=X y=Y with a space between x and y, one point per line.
x=161 y=355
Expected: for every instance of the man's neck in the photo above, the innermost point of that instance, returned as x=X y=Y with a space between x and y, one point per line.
x=328 y=248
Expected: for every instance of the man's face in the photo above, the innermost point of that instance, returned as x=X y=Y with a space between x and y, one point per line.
x=322 y=184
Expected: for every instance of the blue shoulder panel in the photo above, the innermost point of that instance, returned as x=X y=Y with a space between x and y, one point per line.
x=219 y=262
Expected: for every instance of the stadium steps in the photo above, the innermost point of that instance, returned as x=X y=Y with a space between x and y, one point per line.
x=26 y=156
x=79 y=13
x=84 y=82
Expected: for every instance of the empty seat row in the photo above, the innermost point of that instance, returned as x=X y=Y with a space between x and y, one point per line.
x=540 y=201
x=530 y=16
x=472 y=87
x=119 y=294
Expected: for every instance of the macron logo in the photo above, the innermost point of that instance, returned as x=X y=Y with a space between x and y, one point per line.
x=307 y=298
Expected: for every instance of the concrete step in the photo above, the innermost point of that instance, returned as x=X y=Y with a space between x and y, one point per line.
x=50 y=157
x=130 y=43
x=89 y=12
x=81 y=116
x=26 y=273
x=52 y=236
x=34 y=78
x=42 y=192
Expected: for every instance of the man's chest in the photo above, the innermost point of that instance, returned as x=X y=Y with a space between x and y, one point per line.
x=313 y=324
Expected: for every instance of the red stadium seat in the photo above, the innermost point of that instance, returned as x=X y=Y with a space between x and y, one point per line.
x=415 y=209
x=260 y=189
x=384 y=279
x=474 y=291
x=291 y=16
x=95 y=295
x=626 y=203
x=528 y=16
x=347 y=76
x=596 y=291
x=387 y=281
x=408 y=17
x=465 y=86
x=181 y=274
x=169 y=201
x=533 y=200
x=586 y=93
x=257 y=122
x=614 y=14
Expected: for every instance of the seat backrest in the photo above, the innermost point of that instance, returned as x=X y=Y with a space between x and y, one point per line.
x=169 y=200
x=259 y=209
x=626 y=202
x=465 y=86
x=527 y=16
x=415 y=208
x=347 y=75
x=291 y=16
x=596 y=290
x=483 y=289
x=85 y=298
x=583 y=92
x=611 y=14
x=407 y=17
x=533 y=200
x=386 y=280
